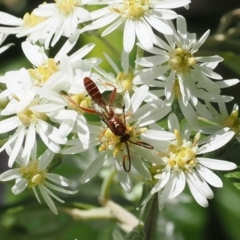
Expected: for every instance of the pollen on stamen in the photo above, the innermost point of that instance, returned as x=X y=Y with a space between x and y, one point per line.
x=27 y=116
x=66 y=7
x=133 y=9
x=125 y=81
x=181 y=60
x=42 y=73
x=32 y=174
x=31 y=20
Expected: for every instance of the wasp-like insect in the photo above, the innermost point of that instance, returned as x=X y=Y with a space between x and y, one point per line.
x=114 y=122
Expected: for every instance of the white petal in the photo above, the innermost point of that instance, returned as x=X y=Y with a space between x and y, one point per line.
x=164 y=178
x=58 y=179
x=139 y=165
x=48 y=200
x=45 y=159
x=217 y=164
x=209 y=176
x=179 y=186
x=124 y=177
x=29 y=141
x=128 y=36
x=94 y=167
x=173 y=122
x=10 y=174
x=19 y=186
x=9 y=124
x=200 y=184
x=17 y=147
x=164 y=195
x=138 y=97
x=217 y=142
x=201 y=200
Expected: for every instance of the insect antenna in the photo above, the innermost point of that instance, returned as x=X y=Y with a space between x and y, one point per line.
x=127 y=169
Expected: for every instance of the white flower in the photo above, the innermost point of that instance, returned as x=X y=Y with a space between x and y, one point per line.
x=33 y=173
x=26 y=124
x=138 y=17
x=181 y=163
x=191 y=111
x=218 y=119
x=176 y=59
x=65 y=94
x=19 y=83
x=48 y=22
x=122 y=80
x=121 y=149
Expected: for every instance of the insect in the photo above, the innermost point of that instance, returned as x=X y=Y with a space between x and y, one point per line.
x=114 y=122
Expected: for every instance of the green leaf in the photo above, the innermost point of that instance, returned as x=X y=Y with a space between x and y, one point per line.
x=235 y=178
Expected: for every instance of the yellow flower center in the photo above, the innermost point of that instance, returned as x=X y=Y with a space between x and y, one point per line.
x=180 y=156
x=233 y=122
x=133 y=9
x=112 y=142
x=28 y=116
x=66 y=7
x=31 y=20
x=125 y=81
x=181 y=60
x=32 y=174
x=79 y=100
x=42 y=73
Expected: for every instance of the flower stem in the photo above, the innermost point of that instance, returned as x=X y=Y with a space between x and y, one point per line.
x=104 y=193
x=150 y=223
x=149 y=214
x=112 y=49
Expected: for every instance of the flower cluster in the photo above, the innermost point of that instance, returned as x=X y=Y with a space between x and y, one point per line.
x=51 y=102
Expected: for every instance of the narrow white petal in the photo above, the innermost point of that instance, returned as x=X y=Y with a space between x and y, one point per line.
x=139 y=165
x=200 y=199
x=173 y=123
x=9 y=124
x=124 y=177
x=179 y=186
x=227 y=83
x=128 y=36
x=59 y=189
x=48 y=200
x=112 y=63
x=19 y=186
x=158 y=135
x=210 y=176
x=94 y=167
x=159 y=25
x=58 y=179
x=68 y=45
x=45 y=159
x=165 y=176
x=10 y=175
x=112 y=27
x=171 y=4
x=138 y=97
x=164 y=195
x=36 y=194
x=200 y=184
x=217 y=164
x=217 y=142
x=29 y=141
x=17 y=147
